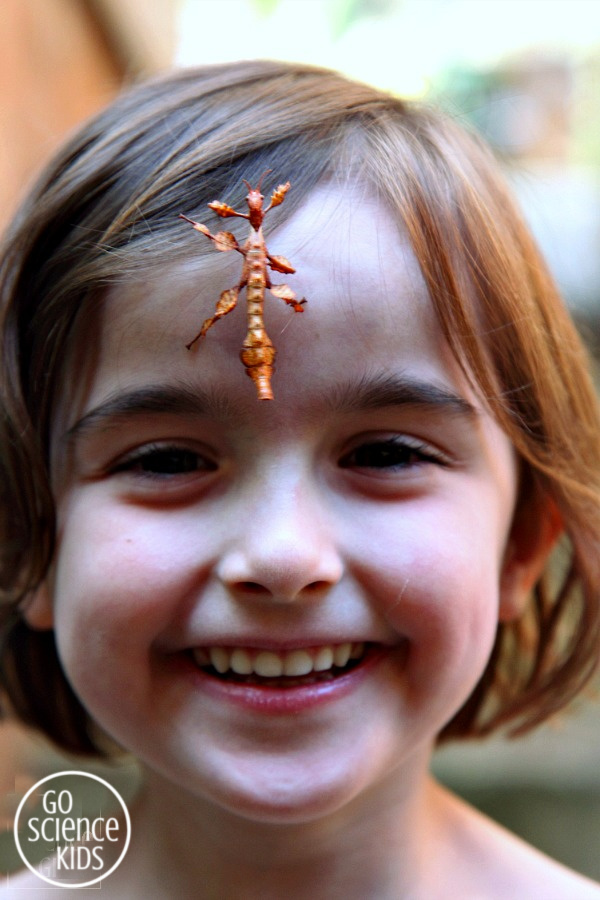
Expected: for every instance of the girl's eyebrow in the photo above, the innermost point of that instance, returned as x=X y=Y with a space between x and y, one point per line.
x=178 y=399
x=399 y=390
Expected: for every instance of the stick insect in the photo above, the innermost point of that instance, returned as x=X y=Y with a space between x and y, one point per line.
x=258 y=352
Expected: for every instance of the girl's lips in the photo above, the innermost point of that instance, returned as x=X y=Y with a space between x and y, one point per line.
x=289 y=694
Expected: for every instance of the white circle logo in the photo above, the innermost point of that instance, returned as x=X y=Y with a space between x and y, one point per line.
x=70 y=830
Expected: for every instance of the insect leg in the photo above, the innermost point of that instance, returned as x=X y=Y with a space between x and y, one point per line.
x=226 y=303
x=286 y=294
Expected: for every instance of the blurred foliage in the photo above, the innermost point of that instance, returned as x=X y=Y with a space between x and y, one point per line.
x=547 y=108
x=586 y=115
x=265 y=7
x=341 y=13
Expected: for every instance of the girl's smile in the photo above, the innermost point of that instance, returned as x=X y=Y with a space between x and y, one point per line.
x=248 y=678
x=294 y=595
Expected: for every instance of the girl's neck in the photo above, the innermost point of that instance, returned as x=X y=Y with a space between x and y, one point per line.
x=376 y=846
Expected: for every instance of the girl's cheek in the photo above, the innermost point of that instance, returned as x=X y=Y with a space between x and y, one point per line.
x=436 y=582
x=116 y=588
x=127 y=567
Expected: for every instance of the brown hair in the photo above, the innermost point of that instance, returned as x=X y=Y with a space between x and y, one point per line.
x=107 y=208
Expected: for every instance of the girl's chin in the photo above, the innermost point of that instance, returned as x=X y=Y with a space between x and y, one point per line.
x=290 y=790
x=286 y=807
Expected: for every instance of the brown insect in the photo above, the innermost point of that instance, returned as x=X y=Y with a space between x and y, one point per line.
x=258 y=352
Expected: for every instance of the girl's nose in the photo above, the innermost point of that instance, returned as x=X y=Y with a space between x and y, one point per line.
x=281 y=546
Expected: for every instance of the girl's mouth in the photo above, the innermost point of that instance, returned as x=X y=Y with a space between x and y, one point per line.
x=299 y=667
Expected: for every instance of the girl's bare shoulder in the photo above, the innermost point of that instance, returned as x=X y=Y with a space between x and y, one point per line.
x=498 y=865
x=521 y=870
x=19 y=885
x=25 y=884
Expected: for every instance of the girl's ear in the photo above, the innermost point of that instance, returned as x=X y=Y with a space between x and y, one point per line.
x=37 y=609
x=537 y=525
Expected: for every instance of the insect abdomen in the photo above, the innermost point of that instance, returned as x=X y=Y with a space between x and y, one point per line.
x=258 y=353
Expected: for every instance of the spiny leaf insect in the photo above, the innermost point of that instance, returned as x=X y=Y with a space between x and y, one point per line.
x=258 y=352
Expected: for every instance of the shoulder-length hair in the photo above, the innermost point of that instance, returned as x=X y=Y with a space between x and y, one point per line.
x=106 y=210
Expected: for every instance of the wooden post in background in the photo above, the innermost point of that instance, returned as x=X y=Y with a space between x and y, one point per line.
x=61 y=61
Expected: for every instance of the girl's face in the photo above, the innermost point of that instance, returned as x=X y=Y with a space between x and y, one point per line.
x=367 y=510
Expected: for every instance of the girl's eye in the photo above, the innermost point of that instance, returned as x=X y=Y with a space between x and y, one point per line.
x=164 y=462
x=391 y=453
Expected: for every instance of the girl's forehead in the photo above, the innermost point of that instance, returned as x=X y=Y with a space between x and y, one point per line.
x=357 y=234
x=351 y=258
x=367 y=309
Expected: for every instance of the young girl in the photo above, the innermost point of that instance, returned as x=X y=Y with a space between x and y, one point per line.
x=280 y=606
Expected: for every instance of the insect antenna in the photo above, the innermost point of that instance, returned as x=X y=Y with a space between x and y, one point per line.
x=260 y=181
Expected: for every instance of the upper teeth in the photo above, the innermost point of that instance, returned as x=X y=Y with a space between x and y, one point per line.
x=273 y=664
